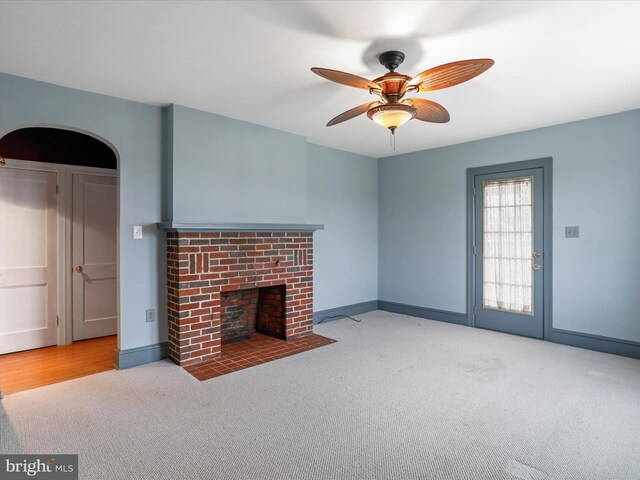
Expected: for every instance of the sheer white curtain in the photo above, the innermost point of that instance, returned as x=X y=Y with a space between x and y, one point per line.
x=507 y=240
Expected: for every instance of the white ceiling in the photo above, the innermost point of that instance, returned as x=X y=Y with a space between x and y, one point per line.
x=555 y=61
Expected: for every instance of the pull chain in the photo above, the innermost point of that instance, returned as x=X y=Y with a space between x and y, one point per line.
x=392 y=137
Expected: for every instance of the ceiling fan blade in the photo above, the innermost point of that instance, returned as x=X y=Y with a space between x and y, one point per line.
x=429 y=111
x=345 y=78
x=349 y=114
x=449 y=74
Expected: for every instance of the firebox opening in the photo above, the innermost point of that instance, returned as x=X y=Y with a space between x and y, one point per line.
x=251 y=310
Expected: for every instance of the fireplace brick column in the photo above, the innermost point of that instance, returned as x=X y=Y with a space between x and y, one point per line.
x=201 y=265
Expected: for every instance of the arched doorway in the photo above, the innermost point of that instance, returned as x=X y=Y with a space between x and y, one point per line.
x=58 y=265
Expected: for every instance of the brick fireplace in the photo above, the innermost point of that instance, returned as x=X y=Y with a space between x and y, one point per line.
x=226 y=282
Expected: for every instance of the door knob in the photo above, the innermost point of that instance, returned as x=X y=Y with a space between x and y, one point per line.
x=537 y=266
x=536 y=254
x=79 y=269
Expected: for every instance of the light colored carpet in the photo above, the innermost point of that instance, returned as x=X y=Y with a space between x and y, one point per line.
x=396 y=398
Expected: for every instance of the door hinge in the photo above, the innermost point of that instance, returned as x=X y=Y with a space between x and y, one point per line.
x=57 y=189
x=57 y=321
x=475 y=309
x=475 y=250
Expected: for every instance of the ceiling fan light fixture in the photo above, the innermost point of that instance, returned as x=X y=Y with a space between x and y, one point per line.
x=393 y=109
x=392 y=115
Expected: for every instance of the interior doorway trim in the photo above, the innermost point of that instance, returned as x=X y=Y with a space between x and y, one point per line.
x=546 y=165
x=64 y=176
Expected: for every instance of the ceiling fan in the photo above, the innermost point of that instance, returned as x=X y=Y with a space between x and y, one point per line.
x=392 y=109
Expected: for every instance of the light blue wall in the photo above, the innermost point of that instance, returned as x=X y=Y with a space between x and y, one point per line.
x=596 y=185
x=342 y=194
x=134 y=130
x=233 y=171
x=219 y=169
x=187 y=165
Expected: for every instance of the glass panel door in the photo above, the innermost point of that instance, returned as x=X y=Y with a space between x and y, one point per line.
x=508 y=252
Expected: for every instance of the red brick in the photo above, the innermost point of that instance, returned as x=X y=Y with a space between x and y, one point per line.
x=188 y=292
x=200 y=325
x=258 y=269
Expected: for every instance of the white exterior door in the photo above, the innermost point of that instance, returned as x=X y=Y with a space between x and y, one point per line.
x=94 y=256
x=28 y=259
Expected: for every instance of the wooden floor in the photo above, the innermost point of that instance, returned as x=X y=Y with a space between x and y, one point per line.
x=44 y=366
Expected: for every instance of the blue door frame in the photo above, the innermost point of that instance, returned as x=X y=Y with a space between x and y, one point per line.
x=513 y=168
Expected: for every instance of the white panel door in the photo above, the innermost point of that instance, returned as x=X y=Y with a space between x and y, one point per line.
x=28 y=259
x=94 y=256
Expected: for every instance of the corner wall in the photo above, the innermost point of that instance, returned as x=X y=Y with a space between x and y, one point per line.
x=596 y=169
x=342 y=194
x=226 y=170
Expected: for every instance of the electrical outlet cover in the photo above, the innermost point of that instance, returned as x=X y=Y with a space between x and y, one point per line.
x=572 y=232
x=151 y=315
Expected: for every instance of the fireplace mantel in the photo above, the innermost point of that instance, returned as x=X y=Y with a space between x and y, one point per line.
x=237 y=227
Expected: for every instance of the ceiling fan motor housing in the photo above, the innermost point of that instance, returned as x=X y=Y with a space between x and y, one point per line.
x=391 y=84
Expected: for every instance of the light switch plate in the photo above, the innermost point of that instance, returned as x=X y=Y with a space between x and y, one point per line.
x=571 y=232
x=137 y=232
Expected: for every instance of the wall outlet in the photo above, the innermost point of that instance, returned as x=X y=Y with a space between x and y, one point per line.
x=151 y=315
x=137 y=232
x=571 y=232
